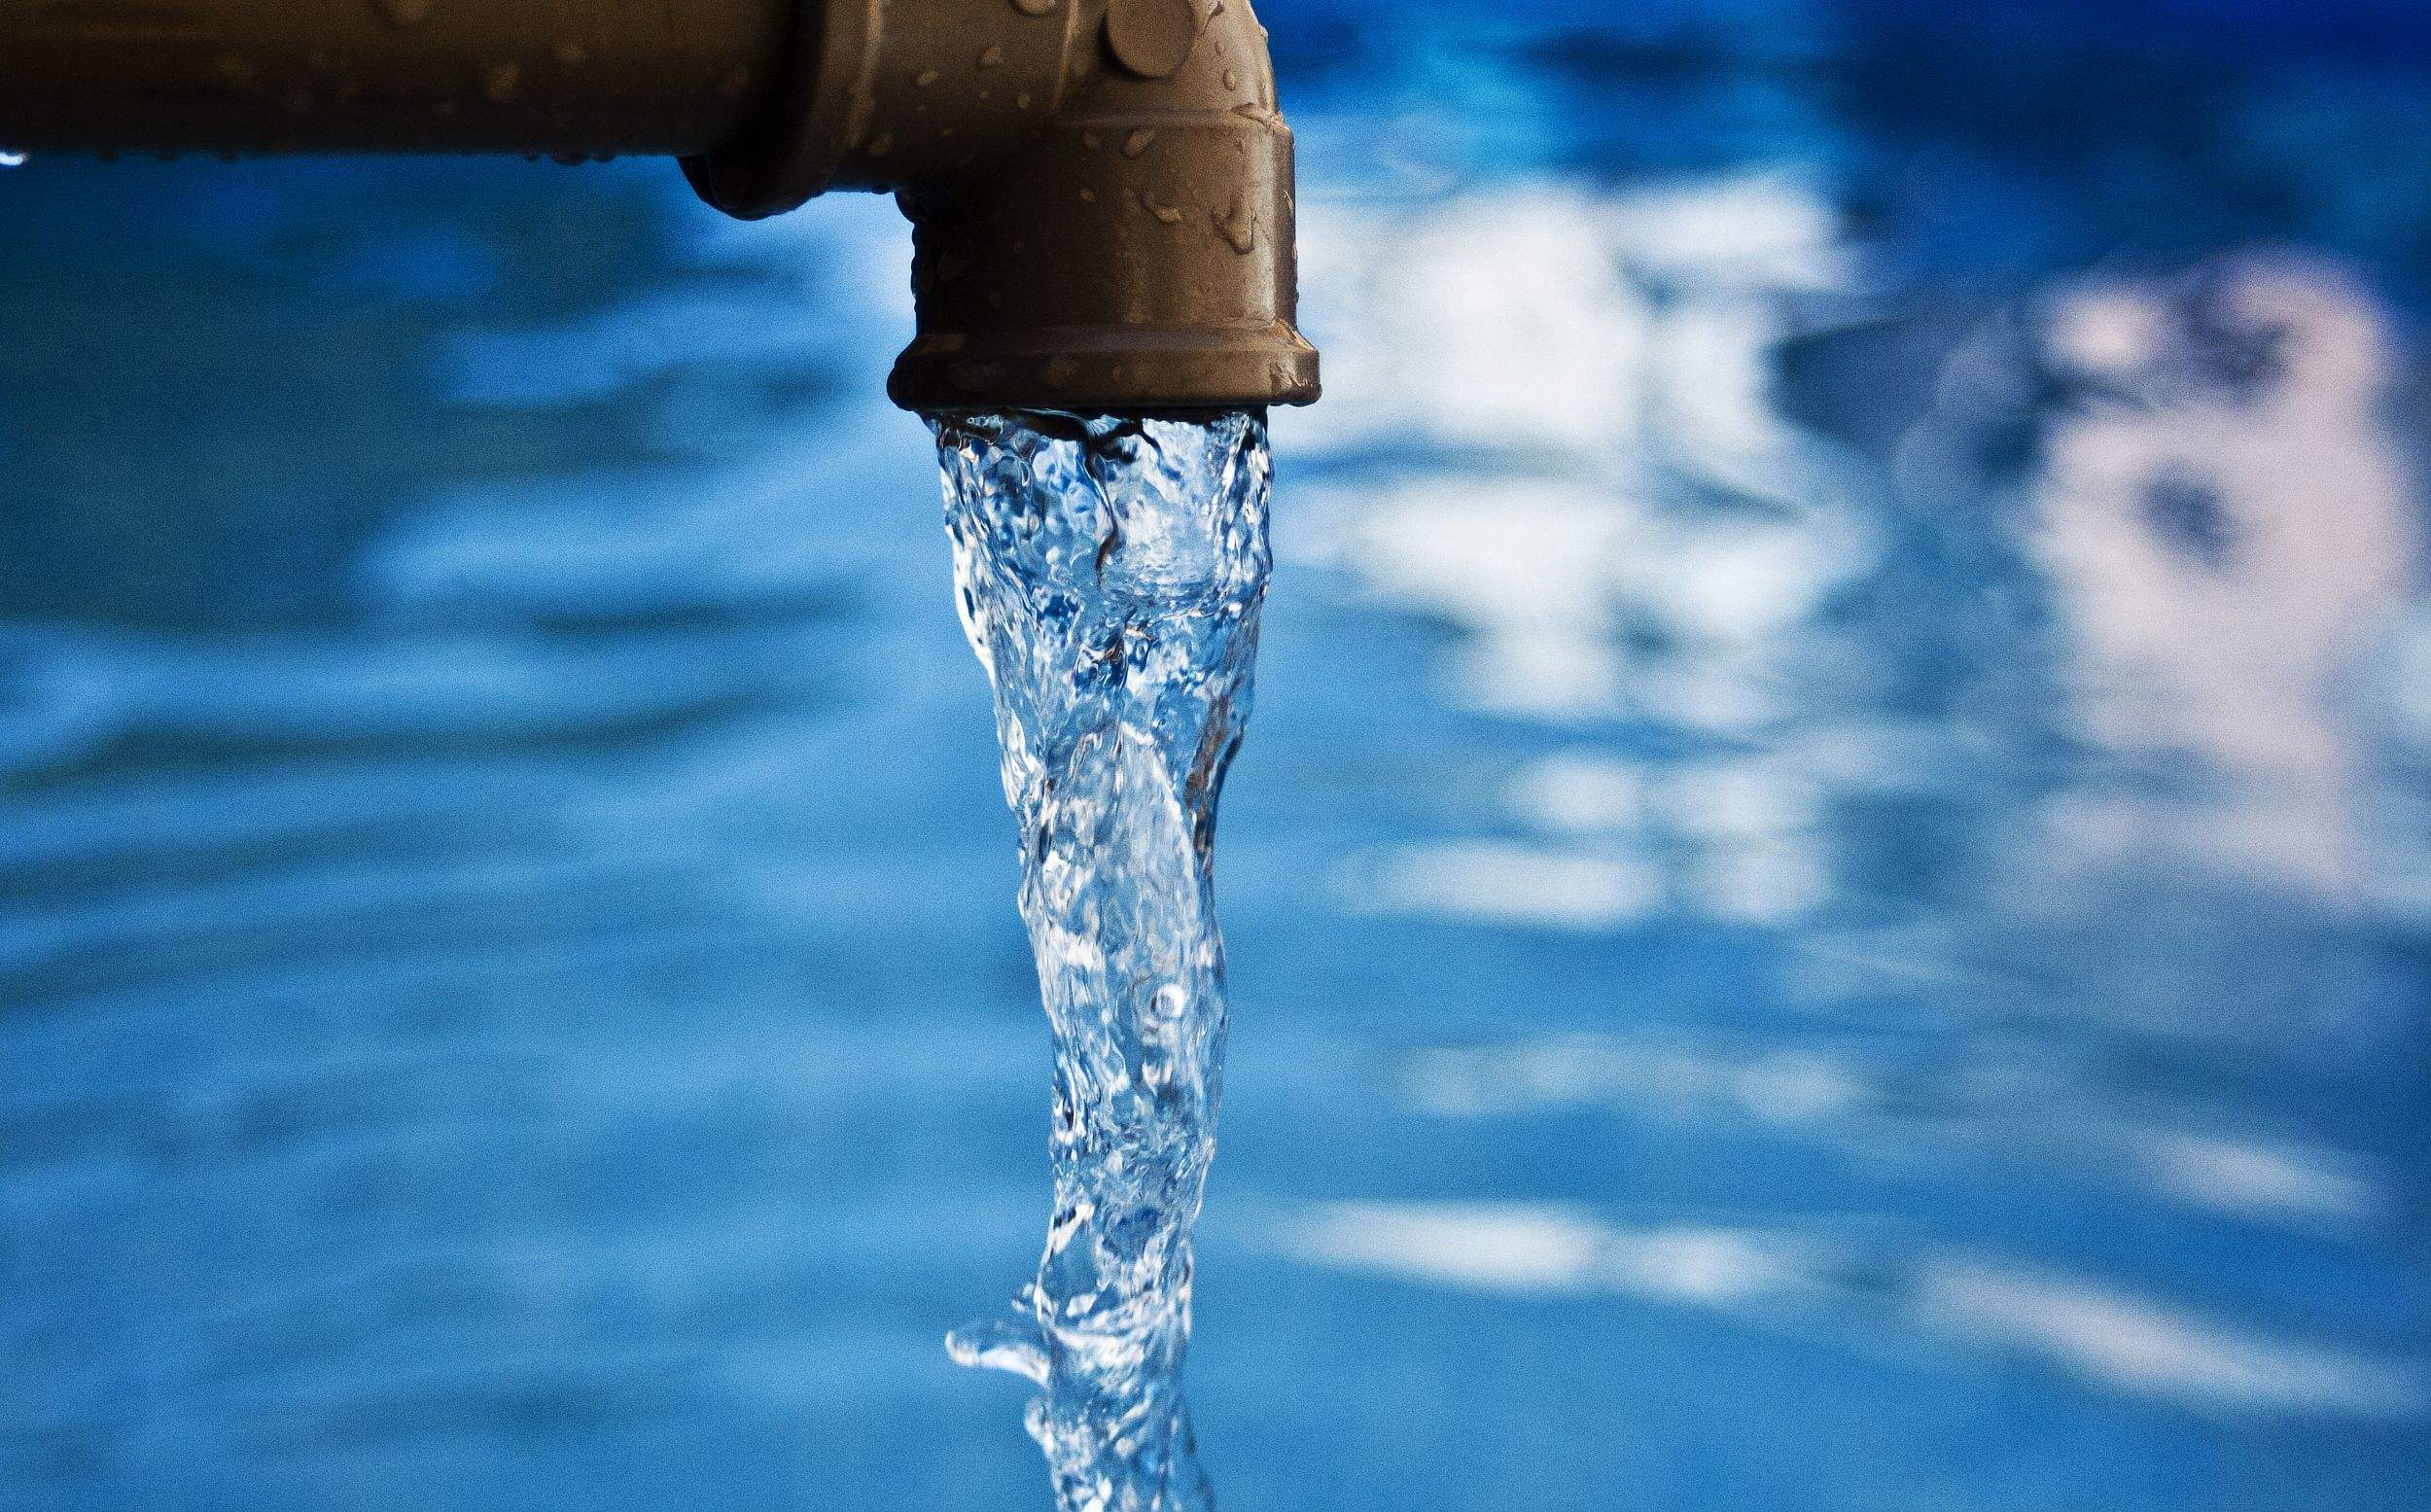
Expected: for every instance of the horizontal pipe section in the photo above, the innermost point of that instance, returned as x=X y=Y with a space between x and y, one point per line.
x=569 y=78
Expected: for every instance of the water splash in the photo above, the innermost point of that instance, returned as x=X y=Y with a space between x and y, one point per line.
x=1110 y=575
x=10 y=157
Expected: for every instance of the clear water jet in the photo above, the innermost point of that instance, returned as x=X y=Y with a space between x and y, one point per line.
x=1110 y=574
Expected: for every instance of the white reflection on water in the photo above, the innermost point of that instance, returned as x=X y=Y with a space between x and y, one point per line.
x=1588 y=594
x=1493 y=321
x=1542 y=1247
x=1602 y=495
x=2050 y=731
x=1988 y=1099
x=2228 y=519
x=1577 y=385
x=1504 y=882
x=1862 y=1292
x=2111 y=1338
x=1623 y=842
x=1549 y=317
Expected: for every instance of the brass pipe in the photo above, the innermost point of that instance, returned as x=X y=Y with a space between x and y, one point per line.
x=568 y=78
x=1101 y=191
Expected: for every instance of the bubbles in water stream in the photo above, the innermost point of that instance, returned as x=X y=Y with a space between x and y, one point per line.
x=1110 y=574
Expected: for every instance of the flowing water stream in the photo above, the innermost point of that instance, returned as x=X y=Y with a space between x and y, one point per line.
x=1110 y=574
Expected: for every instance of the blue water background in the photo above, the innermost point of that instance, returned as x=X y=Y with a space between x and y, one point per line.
x=1829 y=896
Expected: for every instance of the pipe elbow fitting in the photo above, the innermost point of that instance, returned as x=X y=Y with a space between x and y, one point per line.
x=1100 y=192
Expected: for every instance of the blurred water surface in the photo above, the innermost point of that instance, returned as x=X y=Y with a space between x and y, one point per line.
x=1831 y=895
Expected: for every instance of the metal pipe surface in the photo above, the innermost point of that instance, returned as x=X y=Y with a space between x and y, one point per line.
x=571 y=78
x=1101 y=191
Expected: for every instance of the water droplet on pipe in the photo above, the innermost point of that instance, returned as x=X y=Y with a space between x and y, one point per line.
x=501 y=83
x=407 y=13
x=1239 y=228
